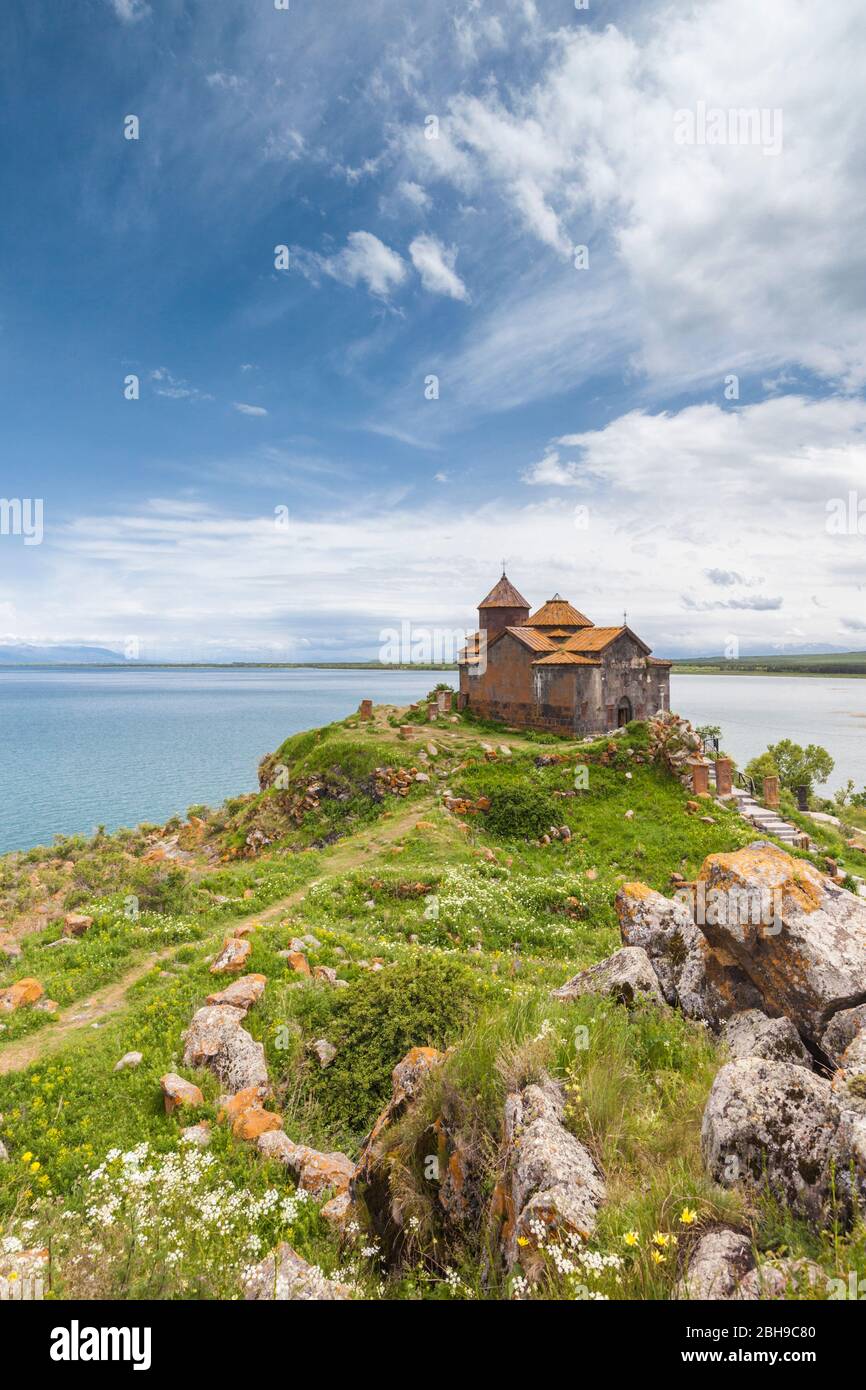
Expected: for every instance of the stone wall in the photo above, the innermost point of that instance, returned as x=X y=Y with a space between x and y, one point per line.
x=565 y=699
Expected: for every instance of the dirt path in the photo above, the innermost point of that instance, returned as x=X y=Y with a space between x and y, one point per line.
x=82 y=1014
x=344 y=855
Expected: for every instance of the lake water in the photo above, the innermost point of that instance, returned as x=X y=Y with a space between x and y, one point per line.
x=83 y=747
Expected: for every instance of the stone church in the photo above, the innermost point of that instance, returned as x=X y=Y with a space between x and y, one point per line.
x=555 y=669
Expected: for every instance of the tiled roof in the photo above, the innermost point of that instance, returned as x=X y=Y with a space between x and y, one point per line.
x=558 y=612
x=593 y=639
x=657 y=661
x=536 y=641
x=504 y=595
x=562 y=658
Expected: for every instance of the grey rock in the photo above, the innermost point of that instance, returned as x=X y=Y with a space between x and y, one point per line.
x=286 y=1278
x=199 y=1135
x=216 y=1040
x=704 y=985
x=129 y=1059
x=772 y=1125
x=752 y=1034
x=551 y=1179
x=626 y=976
x=842 y=1030
x=325 y=1051
x=719 y=1262
x=776 y=1279
x=802 y=944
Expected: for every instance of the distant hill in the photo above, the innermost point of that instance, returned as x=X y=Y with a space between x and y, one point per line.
x=25 y=654
x=800 y=664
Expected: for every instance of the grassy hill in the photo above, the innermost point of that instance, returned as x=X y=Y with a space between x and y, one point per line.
x=809 y=664
x=448 y=927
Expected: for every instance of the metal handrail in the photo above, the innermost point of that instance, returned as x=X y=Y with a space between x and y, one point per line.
x=747 y=783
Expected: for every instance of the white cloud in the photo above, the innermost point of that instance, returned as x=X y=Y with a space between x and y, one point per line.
x=665 y=498
x=694 y=500
x=130 y=11
x=414 y=194
x=249 y=409
x=435 y=264
x=364 y=259
x=730 y=260
x=175 y=388
x=228 y=81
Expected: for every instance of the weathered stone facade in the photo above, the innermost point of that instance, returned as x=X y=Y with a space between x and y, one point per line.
x=555 y=670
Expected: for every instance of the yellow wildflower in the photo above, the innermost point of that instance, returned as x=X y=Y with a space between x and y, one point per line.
x=631 y=1238
x=688 y=1217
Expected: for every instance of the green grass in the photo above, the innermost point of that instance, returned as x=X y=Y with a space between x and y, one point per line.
x=474 y=924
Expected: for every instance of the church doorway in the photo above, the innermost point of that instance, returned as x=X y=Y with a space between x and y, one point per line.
x=623 y=713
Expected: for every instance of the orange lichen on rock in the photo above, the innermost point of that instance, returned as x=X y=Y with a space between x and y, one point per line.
x=23 y=992
x=765 y=866
x=635 y=890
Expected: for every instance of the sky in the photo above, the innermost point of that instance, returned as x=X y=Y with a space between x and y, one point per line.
x=310 y=317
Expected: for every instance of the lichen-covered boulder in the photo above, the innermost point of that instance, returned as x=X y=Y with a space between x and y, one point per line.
x=338 y=1212
x=773 y=1126
x=551 y=1188
x=285 y=1277
x=717 y=1264
x=233 y=957
x=20 y=994
x=216 y=1040
x=313 y=1171
x=177 y=1092
x=800 y=938
x=842 y=1030
x=241 y=994
x=752 y=1034
x=849 y=1081
x=706 y=985
x=246 y=1114
x=627 y=976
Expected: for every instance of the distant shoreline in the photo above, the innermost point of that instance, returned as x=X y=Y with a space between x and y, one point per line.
x=218 y=666
x=687 y=670
x=850 y=671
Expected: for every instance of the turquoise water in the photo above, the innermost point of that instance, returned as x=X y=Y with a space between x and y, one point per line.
x=81 y=747
x=85 y=747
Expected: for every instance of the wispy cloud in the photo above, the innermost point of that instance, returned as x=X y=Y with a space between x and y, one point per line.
x=435 y=264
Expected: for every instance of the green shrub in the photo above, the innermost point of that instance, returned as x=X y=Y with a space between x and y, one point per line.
x=424 y=1001
x=521 y=812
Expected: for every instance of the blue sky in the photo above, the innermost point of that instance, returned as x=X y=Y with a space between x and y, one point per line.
x=582 y=428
